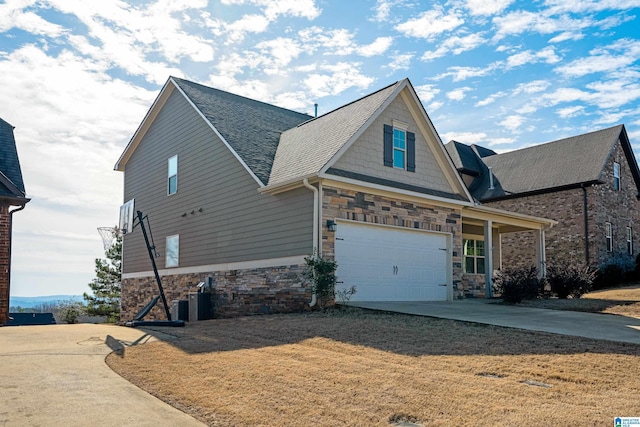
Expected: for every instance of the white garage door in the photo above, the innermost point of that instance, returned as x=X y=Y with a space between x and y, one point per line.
x=391 y=264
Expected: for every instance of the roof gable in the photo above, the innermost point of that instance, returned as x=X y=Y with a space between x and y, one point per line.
x=11 y=183
x=574 y=161
x=308 y=148
x=250 y=129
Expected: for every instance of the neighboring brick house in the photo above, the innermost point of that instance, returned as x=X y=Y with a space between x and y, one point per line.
x=12 y=194
x=589 y=183
x=238 y=192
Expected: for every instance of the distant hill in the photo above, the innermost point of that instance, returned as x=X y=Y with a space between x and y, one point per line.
x=32 y=302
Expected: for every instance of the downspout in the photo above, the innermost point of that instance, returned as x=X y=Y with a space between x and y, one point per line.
x=9 y=254
x=305 y=182
x=586 y=224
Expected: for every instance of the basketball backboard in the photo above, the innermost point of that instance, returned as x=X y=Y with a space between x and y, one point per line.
x=126 y=216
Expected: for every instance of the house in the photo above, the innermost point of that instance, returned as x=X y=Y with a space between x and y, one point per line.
x=12 y=199
x=238 y=192
x=589 y=184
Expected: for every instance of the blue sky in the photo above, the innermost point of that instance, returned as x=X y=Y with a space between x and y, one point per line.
x=79 y=76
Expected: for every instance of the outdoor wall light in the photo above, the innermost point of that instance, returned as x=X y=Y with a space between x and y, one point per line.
x=331 y=225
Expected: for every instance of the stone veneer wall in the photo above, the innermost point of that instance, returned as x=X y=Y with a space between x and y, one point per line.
x=235 y=293
x=359 y=206
x=5 y=251
x=566 y=241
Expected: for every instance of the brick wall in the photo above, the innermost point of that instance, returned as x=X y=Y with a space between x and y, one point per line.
x=5 y=251
x=235 y=292
x=359 y=206
x=566 y=241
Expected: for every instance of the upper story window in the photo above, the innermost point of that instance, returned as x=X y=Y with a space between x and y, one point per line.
x=608 y=235
x=629 y=241
x=616 y=176
x=399 y=147
x=172 y=175
x=473 y=251
x=172 y=255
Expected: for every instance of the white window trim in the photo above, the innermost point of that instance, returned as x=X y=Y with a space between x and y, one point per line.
x=169 y=176
x=629 y=241
x=608 y=234
x=167 y=261
x=475 y=257
x=404 y=150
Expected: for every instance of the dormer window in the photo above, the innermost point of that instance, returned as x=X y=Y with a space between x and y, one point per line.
x=399 y=147
x=616 y=176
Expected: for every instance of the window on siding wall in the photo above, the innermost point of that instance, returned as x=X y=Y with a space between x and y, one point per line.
x=616 y=176
x=629 y=241
x=399 y=148
x=608 y=236
x=473 y=256
x=172 y=175
x=172 y=255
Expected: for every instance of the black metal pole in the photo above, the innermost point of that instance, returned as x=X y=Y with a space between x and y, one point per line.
x=153 y=263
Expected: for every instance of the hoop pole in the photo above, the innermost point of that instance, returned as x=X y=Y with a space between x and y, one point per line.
x=153 y=263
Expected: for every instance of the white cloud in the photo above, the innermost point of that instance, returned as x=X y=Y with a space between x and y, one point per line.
x=534 y=86
x=336 y=79
x=512 y=123
x=378 y=47
x=567 y=35
x=547 y=55
x=578 y=6
x=616 y=56
x=435 y=105
x=465 y=137
x=382 y=9
x=458 y=94
x=455 y=45
x=463 y=73
x=430 y=24
x=487 y=7
x=275 y=8
x=12 y=15
x=490 y=99
x=522 y=21
x=500 y=141
x=400 y=61
x=426 y=92
x=568 y=112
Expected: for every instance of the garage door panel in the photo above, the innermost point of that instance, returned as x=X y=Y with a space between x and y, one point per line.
x=391 y=264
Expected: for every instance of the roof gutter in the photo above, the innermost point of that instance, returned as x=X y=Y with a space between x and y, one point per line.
x=11 y=212
x=316 y=249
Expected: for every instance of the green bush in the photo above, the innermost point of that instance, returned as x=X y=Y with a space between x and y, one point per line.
x=570 y=280
x=320 y=273
x=614 y=272
x=70 y=311
x=517 y=284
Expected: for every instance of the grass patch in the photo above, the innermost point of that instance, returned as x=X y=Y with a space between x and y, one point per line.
x=359 y=368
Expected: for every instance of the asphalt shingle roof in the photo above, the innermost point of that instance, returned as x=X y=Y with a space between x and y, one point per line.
x=562 y=163
x=305 y=149
x=9 y=163
x=252 y=128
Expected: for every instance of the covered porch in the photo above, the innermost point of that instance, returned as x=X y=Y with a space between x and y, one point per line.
x=481 y=256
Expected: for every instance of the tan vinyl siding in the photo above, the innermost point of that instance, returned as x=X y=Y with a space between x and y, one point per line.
x=236 y=223
x=365 y=156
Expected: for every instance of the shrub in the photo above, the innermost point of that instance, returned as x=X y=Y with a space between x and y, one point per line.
x=517 y=284
x=70 y=311
x=615 y=271
x=570 y=280
x=320 y=273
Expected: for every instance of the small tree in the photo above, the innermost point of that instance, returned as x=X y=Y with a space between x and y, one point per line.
x=320 y=272
x=106 y=286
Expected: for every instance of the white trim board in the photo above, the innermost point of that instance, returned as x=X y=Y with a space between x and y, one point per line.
x=241 y=265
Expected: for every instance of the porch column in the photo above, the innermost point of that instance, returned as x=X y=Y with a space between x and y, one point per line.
x=541 y=253
x=488 y=258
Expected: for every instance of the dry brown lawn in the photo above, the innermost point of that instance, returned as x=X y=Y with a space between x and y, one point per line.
x=361 y=368
x=624 y=301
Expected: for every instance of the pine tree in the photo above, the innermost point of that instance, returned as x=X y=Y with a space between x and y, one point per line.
x=106 y=286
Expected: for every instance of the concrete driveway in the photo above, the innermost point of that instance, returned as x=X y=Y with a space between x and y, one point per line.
x=589 y=325
x=55 y=375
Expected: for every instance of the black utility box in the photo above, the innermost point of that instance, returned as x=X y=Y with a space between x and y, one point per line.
x=199 y=306
x=180 y=309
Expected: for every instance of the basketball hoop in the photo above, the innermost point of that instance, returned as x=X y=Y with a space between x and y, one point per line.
x=108 y=235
